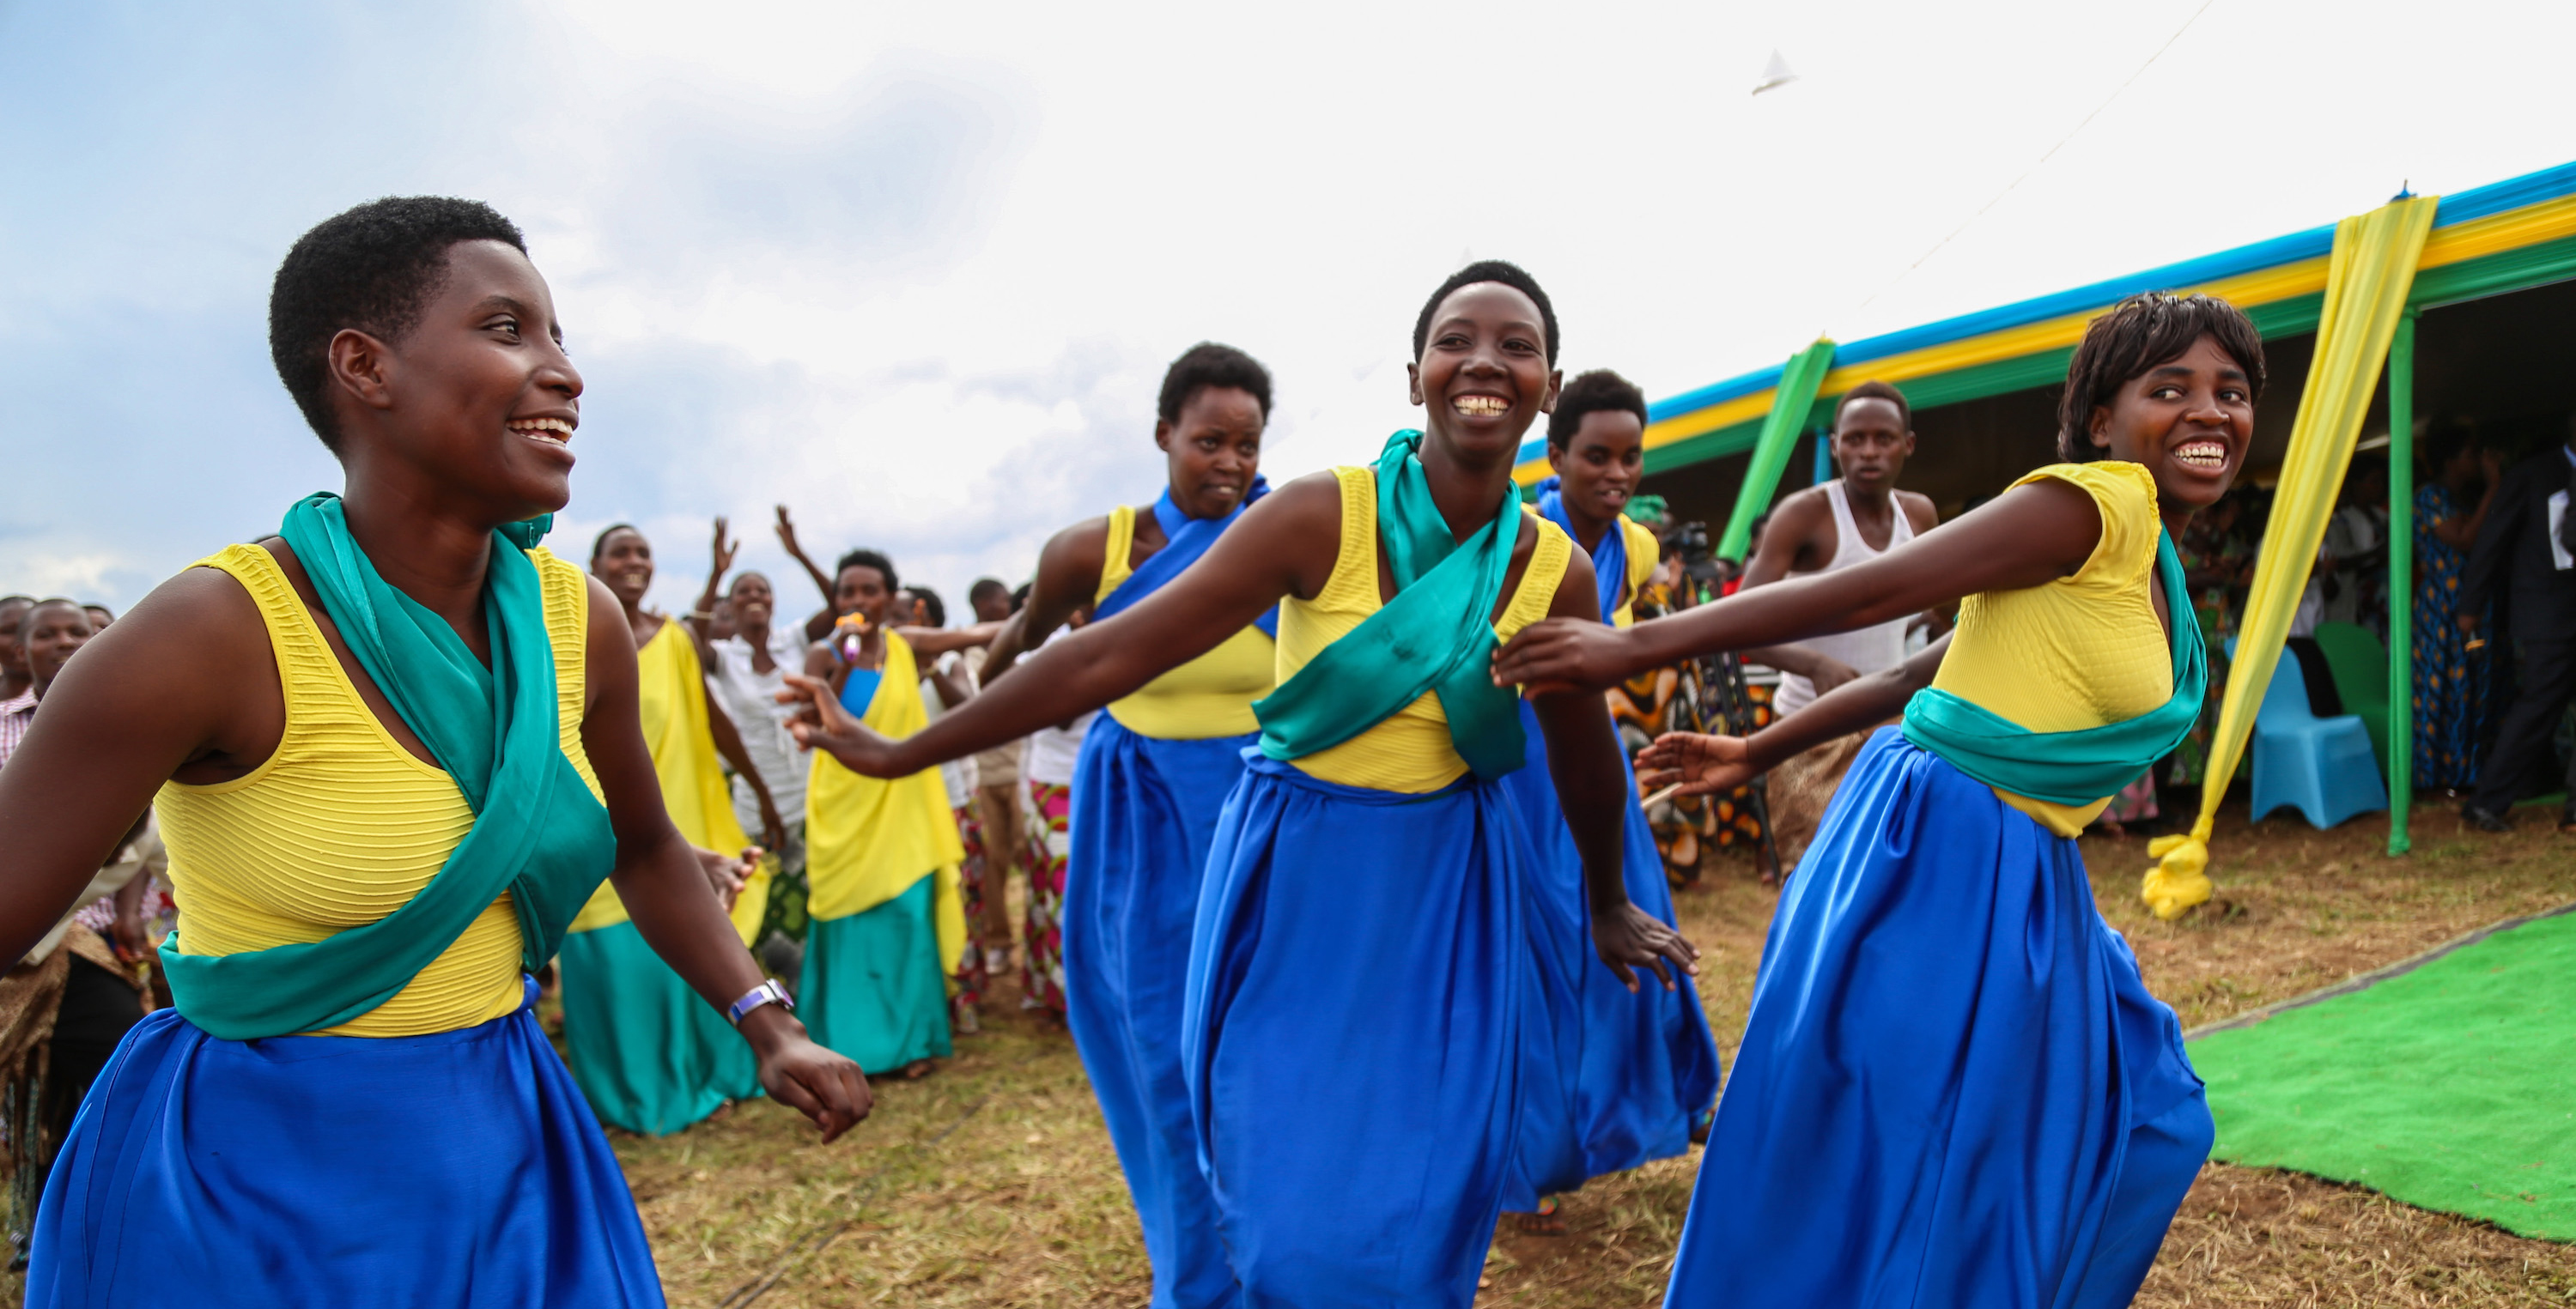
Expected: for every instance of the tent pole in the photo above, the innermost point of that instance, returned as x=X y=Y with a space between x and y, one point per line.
x=1824 y=455
x=2401 y=581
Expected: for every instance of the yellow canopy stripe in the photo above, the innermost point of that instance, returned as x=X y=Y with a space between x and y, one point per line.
x=2369 y=275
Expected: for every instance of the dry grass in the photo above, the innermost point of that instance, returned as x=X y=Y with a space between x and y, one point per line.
x=992 y=1183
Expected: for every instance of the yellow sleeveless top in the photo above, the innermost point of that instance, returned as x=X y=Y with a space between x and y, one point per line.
x=2082 y=651
x=1410 y=751
x=671 y=702
x=1644 y=552
x=342 y=826
x=1209 y=696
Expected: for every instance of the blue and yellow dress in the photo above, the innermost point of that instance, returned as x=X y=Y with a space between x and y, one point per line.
x=1953 y=1088
x=889 y=919
x=431 y=1150
x=1352 y=1027
x=1609 y=1080
x=652 y=1054
x=1152 y=780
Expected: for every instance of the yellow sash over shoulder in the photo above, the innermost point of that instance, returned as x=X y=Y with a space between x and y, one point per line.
x=670 y=693
x=867 y=841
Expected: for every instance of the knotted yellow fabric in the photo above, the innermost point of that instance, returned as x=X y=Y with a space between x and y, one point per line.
x=866 y=840
x=671 y=700
x=2367 y=281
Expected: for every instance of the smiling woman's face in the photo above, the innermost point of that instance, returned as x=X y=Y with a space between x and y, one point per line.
x=625 y=562
x=2188 y=420
x=1484 y=376
x=478 y=396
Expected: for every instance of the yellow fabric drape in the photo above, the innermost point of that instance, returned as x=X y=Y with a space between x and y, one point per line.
x=867 y=841
x=2367 y=281
x=671 y=699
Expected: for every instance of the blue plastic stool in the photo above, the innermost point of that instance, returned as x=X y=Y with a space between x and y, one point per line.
x=2323 y=766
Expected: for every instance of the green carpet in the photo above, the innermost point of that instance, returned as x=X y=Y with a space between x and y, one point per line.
x=2450 y=1086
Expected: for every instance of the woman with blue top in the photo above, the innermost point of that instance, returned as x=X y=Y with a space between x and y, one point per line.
x=1609 y=1079
x=392 y=750
x=887 y=916
x=1152 y=778
x=1351 y=1027
x=1953 y=1088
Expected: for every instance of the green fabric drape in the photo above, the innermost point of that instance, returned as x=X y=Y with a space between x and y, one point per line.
x=1437 y=634
x=2367 y=282
x=538 y=832
x=1790 y=404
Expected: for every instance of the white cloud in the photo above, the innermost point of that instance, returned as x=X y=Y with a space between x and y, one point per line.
x=916 y=271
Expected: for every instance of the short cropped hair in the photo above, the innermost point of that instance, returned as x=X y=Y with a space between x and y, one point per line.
x=1876 y=390
x=867 y=559
x=1208 y=364
x=1488 y=270
x=374 y=268
x=600 y=542
x=1598 y=391
x=2138 y=334
x=932 y=606
x=28 y=619
x=984 y=586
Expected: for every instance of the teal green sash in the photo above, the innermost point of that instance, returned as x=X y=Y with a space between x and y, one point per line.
x=1437 y=634
x=2080 y=767
x=538 y=832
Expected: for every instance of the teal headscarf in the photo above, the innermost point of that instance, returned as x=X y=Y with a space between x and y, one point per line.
x=2078 y=767
x=538 y=832
x=1437 y=634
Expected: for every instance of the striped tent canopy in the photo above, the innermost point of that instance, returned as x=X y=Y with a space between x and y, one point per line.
x=2505 y=237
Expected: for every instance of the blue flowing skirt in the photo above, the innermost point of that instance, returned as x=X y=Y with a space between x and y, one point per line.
x=651 y=1056
x=1609 y=1080
x=1144 y=813
x=1953 y=1087
x=1351 y=1036
x=434 y=1171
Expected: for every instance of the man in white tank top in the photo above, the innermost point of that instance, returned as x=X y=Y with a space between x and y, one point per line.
x=1854 y=518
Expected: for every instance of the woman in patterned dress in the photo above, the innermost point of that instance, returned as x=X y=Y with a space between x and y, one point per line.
x=2450 y=677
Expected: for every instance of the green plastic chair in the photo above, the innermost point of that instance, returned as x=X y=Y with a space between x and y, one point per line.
x=2358 y=663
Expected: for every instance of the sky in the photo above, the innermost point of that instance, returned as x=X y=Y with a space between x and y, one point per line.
x=915 y=271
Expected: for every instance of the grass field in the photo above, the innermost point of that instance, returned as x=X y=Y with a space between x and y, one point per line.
x=992 y=1183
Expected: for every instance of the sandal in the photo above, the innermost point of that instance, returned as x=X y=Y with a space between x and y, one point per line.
x=1545 y=1222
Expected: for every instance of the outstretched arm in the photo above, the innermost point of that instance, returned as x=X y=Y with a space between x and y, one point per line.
x=937 y=641
x=721 y=561
x=2029 y=536
x=1592 y=790
x=817 y=626
x=1069 y=571
x=666 y=891
x=1716 y=765
x=1283 y=546
x=162 y=689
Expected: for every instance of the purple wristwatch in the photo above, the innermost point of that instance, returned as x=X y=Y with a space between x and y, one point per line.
x=768 y=992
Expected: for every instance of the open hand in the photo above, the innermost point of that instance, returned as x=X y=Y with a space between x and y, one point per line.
x=1628 y=938
x=1563 y=654
x=724 y=549
x=1704 y=765
x=787 y=535
x=825 y=1087
x=820 y=723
